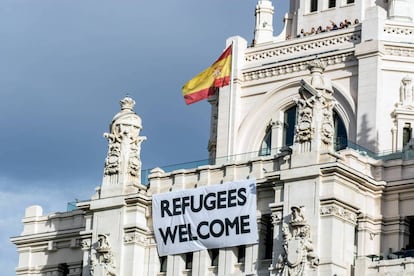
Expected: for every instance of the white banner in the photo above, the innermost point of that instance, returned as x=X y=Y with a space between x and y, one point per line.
x=207 y=217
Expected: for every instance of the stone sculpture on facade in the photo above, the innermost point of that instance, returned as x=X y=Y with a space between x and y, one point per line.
x=112 y=161
x=102 y=259
x=297 y=244
x=124 y=144
x=406 y=92
x=304 y=129
x=315 y=110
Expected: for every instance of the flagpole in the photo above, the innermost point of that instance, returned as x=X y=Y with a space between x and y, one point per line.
x=230 y=124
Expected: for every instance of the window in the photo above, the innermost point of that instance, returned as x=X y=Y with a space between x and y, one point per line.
x=332 y=4
x=340 y=136
x=163 y=264
x=268 y=237
x=289 y=121
x=407 y=130
x=63 y=269
x=350 y=1
x=289 y=126
x=313 y=5
x=241 y=254
x=266 y=146
x=189 y=260
x=214 y=256
x=410 y=244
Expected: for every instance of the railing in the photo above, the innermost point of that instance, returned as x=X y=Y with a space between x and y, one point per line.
x=339 y=144
x=71 y=206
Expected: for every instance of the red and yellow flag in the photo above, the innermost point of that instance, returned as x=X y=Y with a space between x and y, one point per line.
x=203 y=85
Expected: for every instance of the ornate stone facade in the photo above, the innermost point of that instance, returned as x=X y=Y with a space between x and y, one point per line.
x=296 y=89
x=102 y=258
x=315 y=125
x=299 y=252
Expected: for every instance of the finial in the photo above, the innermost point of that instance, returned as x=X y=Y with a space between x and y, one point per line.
x=127 y=103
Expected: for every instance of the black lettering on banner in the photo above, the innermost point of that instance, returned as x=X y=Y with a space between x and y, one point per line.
x=212 y=204
x=231 y=198
x=190 y=234
x=221 y=228
x=168 y=234
x=200 y=206
x=244 y=224
x=165 y=204
x=231 y=224
x=221 y=199
x=176 y=206
x=242 y=195
x=202 y=236
x=216 y=229
x=182 y=232
x=185 y=203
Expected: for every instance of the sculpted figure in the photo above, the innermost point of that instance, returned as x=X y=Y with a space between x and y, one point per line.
x=406 y=91
x=102 y=259
x=297 y=244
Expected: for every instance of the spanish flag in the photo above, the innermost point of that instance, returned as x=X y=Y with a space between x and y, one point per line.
x=204 y=84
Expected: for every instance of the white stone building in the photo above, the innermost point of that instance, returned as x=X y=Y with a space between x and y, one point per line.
x=320 y=115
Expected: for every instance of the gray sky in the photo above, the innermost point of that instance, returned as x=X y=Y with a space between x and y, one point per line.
x=64 y=66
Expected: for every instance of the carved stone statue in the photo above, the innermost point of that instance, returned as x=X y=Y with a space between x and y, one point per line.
x=102 y=259
x=297 y=244
x=406 y=91
x=315 y=104
x=112 y=160
x=304 y=129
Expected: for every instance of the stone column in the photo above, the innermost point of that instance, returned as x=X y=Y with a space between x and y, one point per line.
x=277 y=220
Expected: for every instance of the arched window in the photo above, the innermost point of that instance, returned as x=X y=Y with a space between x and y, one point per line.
x=340 y=135
x=266 y=146
x=289 y=126
x=407 y=130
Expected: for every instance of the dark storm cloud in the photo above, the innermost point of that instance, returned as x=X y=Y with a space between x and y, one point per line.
x=64 y=66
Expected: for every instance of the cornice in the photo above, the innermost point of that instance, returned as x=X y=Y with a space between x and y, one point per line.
x=400 y=51
x=283 y=69
x=362 y=181
x=339 y=209
x=46 y=237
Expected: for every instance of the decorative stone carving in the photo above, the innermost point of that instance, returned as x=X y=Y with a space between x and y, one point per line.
x=102 y=259
x=328 y=129
x=338 y=211
x=304 y=129
x=134 y=238
x=124 y=143
x=276 y=217
x=315 y=109
x=295 y=67
x=112 y=161
x=399 y=51
x=297 y=244
x=85 y=244
x=406 y=92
